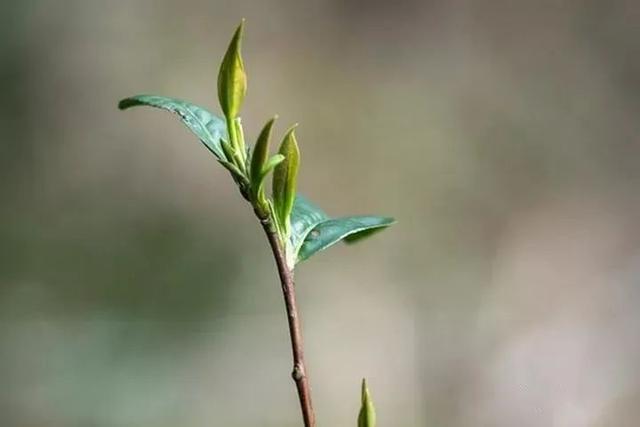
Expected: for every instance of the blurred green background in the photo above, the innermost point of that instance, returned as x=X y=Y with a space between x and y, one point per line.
x=137 y=290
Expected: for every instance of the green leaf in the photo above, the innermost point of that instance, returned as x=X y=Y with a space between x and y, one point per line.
x=259 y=160
x=331 y=231
x=312 y=230
x=208 y=127
x=285 y=177
x=232 y=80
x=367 y=415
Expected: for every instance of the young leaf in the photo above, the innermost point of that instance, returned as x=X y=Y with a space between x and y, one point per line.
x=367 y=415
x=284 y=180
x=208 y=127
x=330 y=232
x=232 y=80
x=259 y=157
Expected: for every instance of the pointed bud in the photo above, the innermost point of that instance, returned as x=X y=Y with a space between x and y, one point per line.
x=284 y=180
x=232 y=80
x=367 y=415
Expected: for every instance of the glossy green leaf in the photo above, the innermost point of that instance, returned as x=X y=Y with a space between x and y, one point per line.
x=232 y=80
x=312 y=230
x=367 y=415
x=285 y=177
x=208 y=127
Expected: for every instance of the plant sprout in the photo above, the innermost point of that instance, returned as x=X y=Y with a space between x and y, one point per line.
x=295 y=228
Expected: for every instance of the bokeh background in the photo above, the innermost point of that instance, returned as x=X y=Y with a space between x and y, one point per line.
x=137 y=290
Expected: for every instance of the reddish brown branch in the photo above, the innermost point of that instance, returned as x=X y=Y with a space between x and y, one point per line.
x=299 y=372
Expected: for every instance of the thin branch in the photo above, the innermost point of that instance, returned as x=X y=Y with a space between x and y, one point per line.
x=299 y=372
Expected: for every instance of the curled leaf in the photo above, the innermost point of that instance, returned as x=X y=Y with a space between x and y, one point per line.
x=330 y=232
x=313 y=231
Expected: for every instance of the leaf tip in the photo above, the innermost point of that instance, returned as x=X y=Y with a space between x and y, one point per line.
x=364 y=391
x=237 y=36
x=292 y=129
x=123 y=104
x=289 y=142
x=367 y=415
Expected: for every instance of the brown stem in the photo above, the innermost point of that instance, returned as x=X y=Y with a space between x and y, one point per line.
x=299 y=373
